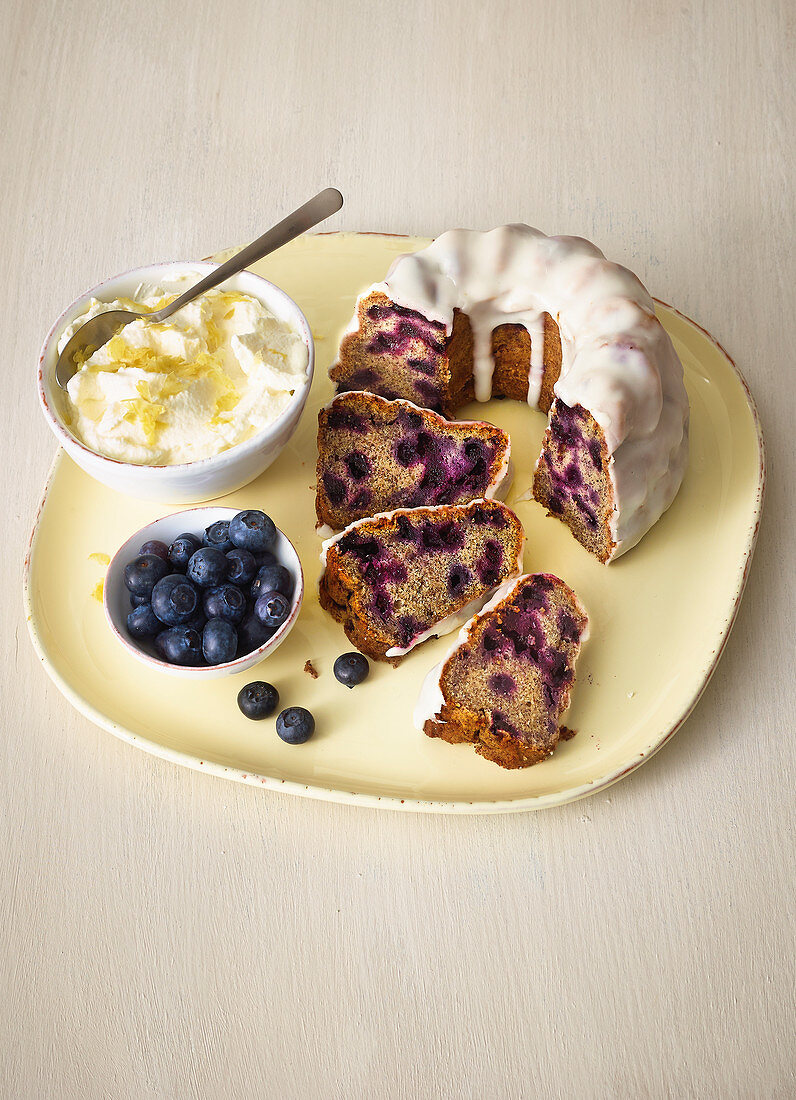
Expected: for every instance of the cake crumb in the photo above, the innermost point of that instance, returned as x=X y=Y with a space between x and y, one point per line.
x=309 y=668
x=97 y=591
x=103 y=559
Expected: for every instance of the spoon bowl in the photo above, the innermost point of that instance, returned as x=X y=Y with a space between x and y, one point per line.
x=100 y=329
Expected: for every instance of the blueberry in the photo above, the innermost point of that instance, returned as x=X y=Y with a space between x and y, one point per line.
x=138 y=601
x=335 y=488
x=295 y=725
x=405 y=452
x=217 y=536
x=142 y=573
x=272 y=608
x=181 y=549
x=197 y=620
x=254 y=531
x=208 y=567
x=226 y=601
x=252 y=634
x=219 y=641
x=156 y=547
x=174 y=599
x=180 y=645
x=459 y=576
x=351 y=669
x=358 y=465
x=143 y=622
x=242 y=566
x=266 y=558
x=258 y=700
x=272 y=578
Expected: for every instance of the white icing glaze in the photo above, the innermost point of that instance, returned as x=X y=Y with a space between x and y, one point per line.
x=617 y=360
x=450 y=622
x=498 y=487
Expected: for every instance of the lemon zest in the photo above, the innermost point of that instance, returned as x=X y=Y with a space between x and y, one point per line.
x=146 y=413
x=103 y=559
x=82 y=355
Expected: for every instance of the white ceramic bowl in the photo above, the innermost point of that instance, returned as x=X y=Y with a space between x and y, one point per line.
x=117 y=598
x=189 y=482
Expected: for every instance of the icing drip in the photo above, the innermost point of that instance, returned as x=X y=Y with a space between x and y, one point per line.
x=617 y=360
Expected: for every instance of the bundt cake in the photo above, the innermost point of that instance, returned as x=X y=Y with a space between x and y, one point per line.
x=376 y=455
x=547 y=320
x=506 y=682
x=397 y=579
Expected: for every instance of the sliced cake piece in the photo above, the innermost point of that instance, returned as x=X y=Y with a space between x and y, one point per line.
x=396 y=579
x=376 y=455
x=572 y=478
x=506 y=682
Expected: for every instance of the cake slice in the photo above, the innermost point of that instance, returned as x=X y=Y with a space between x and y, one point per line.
x=572 y=478
x=399 y=578
x=506 y=682
x=376 y=455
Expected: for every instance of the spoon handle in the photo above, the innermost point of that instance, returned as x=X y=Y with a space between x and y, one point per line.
x=324 y=204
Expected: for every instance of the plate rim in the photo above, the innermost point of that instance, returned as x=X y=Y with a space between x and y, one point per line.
x=363 y=798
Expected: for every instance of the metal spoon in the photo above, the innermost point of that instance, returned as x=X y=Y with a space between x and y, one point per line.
x=99 y=330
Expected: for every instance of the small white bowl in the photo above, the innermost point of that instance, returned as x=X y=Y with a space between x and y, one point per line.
x=116 y=597
x=188 y=482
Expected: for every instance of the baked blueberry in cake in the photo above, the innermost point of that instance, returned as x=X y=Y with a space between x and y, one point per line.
x=506 y=683
x=376 y=455
x=394 y=580
x=514 y=313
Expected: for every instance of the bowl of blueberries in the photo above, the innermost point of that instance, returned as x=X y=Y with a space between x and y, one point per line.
x=204 y=593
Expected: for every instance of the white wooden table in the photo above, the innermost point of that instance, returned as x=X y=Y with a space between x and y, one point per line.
x=166 y=934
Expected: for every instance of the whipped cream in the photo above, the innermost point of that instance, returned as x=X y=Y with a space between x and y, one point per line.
x=213 y=375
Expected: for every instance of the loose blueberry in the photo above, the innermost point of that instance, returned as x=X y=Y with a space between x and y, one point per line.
x=142 y=573
x=174 y=599
x=253 y=530
x=295 y=725
x=272 y=608
x=242 y=566
x=272 y=578
x=156 y=547
x=182 y=548
x=217 y=536
x=252 y=634
x=208 y=567
x=226 y=601
x=180 y=645
x=143 y=622
x=258 y=700
x=219 y=641
x=351 y=669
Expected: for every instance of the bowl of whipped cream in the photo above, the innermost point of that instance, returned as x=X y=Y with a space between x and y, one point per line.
x=189 y=409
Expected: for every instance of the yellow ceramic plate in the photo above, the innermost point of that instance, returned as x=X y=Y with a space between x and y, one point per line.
x=660 y=615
